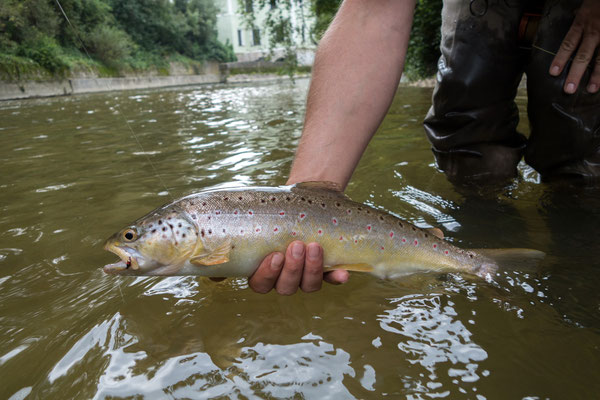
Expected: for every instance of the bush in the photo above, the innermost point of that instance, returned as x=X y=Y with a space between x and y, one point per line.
x=109 y=45
x=424 y=46
x=46 y=52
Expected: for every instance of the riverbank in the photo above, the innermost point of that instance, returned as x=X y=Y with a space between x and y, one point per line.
x=86 y=82
x=210 y=72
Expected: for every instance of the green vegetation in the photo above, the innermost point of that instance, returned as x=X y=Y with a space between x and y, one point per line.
x=424 y=46
x=423 y=50
x=120 y=36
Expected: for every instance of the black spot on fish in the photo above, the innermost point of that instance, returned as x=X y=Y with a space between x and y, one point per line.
x=323 y=205
x=179 y=225
x=204 y=203
x=302 y=198
x=202 y=232
x=309 y=201
x=232 y=246
x=359 y=208
x=426 y=235
x=194 y=216
x=210 y=231
x=183 y=235
x=225 y=198
x=239 y=198
x=153 y=230
x=338 y=205
x=151 y=225
x=414 y=229
x=170 y=226
x=380 y=218
x=160 y=221
x=262 y=200
x=287 y=198
x=164 y=228
x=273 y=199
x=400 y=224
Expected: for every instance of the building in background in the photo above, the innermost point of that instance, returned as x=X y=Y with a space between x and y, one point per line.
x=251 y=43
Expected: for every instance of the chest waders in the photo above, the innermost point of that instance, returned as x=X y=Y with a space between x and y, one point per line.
x=486 y=47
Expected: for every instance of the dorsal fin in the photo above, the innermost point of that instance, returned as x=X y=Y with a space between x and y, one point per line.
x=331 y=188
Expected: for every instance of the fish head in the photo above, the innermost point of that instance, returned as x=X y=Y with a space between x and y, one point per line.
x=152 y=245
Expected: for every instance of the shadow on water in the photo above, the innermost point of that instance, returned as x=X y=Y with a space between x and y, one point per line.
x=72 y=174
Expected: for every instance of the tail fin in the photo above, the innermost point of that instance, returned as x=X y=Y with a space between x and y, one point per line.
x=515 y=259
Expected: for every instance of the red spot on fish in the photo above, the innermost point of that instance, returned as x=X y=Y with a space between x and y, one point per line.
x=250 y=212
x=403 y=240
x=369 y=228
x=275 y=230
x=235 y=212
x=382 y=248
x=302 y=215
x=416 y=242
x=446 y=252
x=334 y=221
x=341 y=238
x=217 y=212
x=257 y=229
x=293 y=233
x=204 y=203
x=391 y=234
x=349 y=211
x=282 y=213
x=241 y=231
x=320 y=232
x=355 y=241
x=435 y=246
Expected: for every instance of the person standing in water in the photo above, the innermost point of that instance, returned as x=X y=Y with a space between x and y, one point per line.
x=486 y=47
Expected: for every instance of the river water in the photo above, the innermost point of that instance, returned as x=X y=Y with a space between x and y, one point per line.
x=73 y=174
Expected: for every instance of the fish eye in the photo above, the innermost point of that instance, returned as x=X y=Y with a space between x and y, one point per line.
x=130 y=235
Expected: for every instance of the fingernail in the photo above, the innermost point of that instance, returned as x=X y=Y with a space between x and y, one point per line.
x=570 y=88
x=592 y=88
x=554 y=70
x=314 y=251
x=297 y=250
x=276 y=261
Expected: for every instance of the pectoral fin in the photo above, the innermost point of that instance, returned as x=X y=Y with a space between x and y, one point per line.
x=217 y=255
x=350 y=267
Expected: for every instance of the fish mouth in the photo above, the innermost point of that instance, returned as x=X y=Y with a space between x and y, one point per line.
x=127 y=260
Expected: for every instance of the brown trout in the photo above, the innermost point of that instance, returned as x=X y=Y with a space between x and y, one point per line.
x=228 y=232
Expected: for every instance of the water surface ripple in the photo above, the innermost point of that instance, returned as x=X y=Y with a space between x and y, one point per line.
x=72 y=174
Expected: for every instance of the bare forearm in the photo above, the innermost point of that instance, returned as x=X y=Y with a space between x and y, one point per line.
x=357 y=68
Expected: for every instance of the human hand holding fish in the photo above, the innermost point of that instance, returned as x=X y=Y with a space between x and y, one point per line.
x=227 y=232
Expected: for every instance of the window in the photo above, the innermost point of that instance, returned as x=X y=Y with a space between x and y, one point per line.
x=256 y=37
x=240 y=42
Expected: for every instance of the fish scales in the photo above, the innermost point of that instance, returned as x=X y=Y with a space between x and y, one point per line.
x=228 y=232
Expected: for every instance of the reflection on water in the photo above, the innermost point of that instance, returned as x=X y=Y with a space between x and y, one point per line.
x=73 y=172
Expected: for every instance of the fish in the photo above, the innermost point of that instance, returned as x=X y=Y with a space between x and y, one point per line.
x=228 y=232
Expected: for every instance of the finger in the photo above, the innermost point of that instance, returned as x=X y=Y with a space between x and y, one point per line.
x=594 y=84
x=580 y=63
x=337 y=277
x=312 y=276
x=291 y=274
x=567 y=47
x=265 y=276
